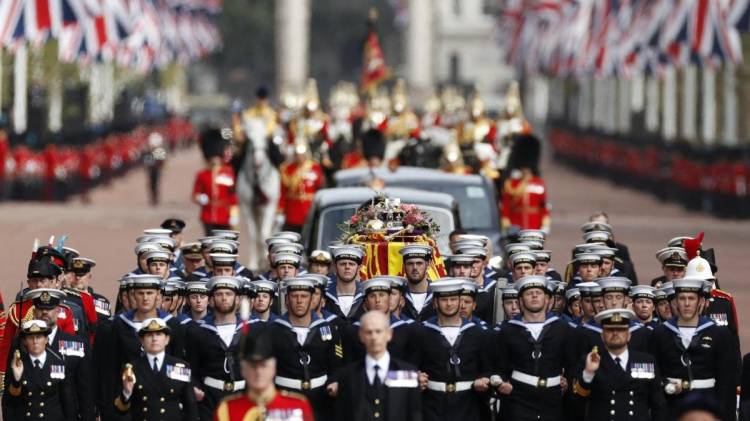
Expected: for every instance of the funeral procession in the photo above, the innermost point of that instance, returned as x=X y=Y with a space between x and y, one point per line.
x=366 y=210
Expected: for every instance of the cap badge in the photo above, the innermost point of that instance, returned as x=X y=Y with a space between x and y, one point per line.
x=617 y=318
x=45 y=297
x=699 y=267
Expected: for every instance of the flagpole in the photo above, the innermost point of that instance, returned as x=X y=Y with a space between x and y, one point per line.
x=20 y=82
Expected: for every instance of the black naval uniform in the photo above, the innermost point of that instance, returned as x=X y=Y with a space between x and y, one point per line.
x=216 y=371
x=105 y=387
x=76 y=353
x=452 y=370
x=45 y=393
x=410 y=311
x=617 y=394
x=166 y=395
x=310 y=367
x=401 y=345
x=533 y=360
x=102 y=305
x=396 y=399
x=710 y=363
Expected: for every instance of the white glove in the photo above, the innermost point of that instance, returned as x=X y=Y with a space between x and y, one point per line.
x=203 y=199
x=234 y=220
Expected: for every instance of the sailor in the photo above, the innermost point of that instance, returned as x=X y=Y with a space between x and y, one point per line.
x=307 y=349
x=694 y=353
x=344 y=295
x=416 y=260
x=452 y=358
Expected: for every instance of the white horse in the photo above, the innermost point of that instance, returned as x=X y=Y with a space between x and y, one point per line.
x=258 y=175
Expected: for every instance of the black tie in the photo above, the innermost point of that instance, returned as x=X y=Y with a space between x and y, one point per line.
x=618 y=361
x=156 y=365
x=376 y=378
x=37 y=364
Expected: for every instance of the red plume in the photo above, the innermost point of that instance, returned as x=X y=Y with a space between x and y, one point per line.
x=692 y=245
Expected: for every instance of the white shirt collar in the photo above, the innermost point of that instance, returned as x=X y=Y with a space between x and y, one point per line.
x=383 y=363
x=159 y=361
x=623 y=359
x=42 y=358
x=51 y=336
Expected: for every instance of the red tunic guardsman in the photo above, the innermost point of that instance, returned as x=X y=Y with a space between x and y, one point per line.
x=261 y=400
x=300 y=179
x=214 y=188
x=524 y=194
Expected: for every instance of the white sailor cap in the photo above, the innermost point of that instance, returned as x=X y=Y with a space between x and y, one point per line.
x=596 y=226
x=531 y=281
x=289 y=235
x=514 y=248
x=397 y=282
x=672 y=256
x=688 y=285
x=173 y=286
x=533 y=244
x=298 y=284
x=459 y=245
x=588 y=258
x=460 y=259
x=642 y=291
x=285 y=258
x=348 y=252
x=224 y=282
x=602 y=250
x=295 y=248
x=145 y=281
x=159 y=256
x=262 y=285
x=445 y=287
x=168 y=243
x=589 y=289
x=614 y=284
x=271 y=241
x=474 y=252
x=614 y=318
x=228 y=234
x=532 y=234
x=147 y=247
x=416 y=251
x=483 y=239
x=543 y=255
x=321 y=281
x=159 y=232
x=223 y=259
x=222 y=245
x=597 y=236
x=470 y=287
x=196 y=287
x=573 y=294
x=509 y=291
x=660 y=295
x=376 y=284
x=668 y=288
x=522 y=257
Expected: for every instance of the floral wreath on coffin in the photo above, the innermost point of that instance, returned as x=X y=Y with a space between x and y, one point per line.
x=389 y=218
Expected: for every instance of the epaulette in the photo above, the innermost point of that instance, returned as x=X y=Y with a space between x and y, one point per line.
x=722 y=294
x=292 y=395
x=71 y=291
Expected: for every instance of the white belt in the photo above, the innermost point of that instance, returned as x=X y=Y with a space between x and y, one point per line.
x=449 y=387
x=695 y=384
x=534 y=380
x=301 y=384
x=224 y=385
